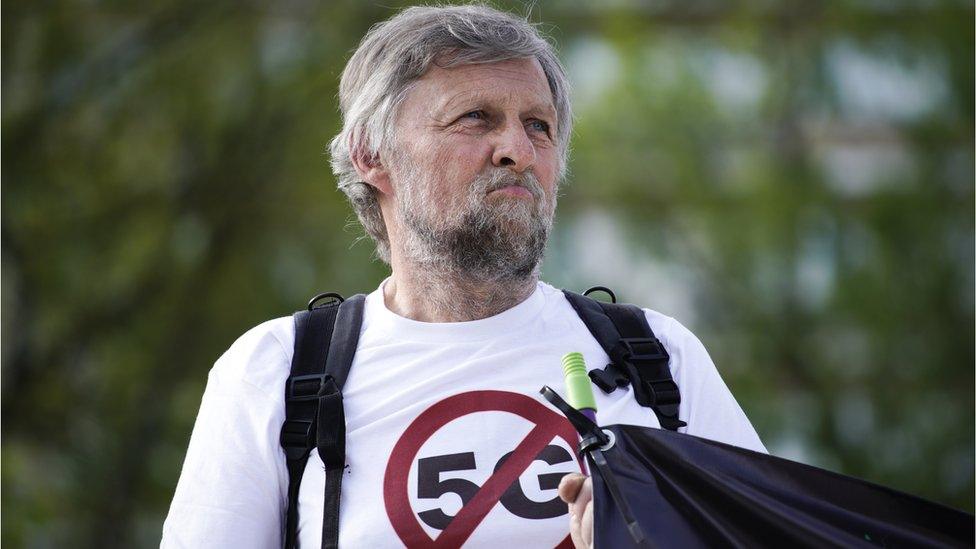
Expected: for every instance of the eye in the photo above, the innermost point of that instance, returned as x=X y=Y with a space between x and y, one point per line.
x=474 y=115
x=539 y=125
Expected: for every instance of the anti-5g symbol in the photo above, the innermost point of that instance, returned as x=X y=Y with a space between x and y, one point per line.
x=430 y=485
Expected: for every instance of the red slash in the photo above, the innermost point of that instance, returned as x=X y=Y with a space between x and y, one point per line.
x=548 y=425
x=471 y=515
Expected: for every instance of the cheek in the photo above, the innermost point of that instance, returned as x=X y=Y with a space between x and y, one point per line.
x=459 y=163
x=466 y=156
x=547 y=171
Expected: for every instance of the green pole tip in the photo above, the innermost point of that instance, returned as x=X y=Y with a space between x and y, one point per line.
x=579 y=393
x=573 y=362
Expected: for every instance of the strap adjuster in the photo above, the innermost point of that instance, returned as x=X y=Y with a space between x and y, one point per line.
x=297 y=434
x=665 y=400
x=309 y=387
x=638 y=349
x=663 y=392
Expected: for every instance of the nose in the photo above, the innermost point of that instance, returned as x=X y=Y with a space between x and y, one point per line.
x=513 y=149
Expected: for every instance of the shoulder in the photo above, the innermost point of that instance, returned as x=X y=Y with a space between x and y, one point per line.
x=675 y=337
x=688 y=356
x=260 y=358
x=690 y=361
x=707 y=405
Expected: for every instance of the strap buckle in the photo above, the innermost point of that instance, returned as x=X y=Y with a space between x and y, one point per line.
x=638 y=349
x=665 y=400
x=308 y=387
x=663 y=392
x=609 y=379
x=297 y=434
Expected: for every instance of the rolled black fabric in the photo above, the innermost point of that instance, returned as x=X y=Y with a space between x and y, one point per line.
x=687 y=491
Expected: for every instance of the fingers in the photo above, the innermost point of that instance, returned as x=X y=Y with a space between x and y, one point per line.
x=577 y=491
x=583 y=499
x=581 y=527
x=586 y=525
x=570 y=486
x=576 y=532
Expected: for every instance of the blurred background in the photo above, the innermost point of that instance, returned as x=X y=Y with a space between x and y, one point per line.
x=791 y=180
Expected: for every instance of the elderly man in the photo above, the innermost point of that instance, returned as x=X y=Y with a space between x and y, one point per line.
x=456 y=125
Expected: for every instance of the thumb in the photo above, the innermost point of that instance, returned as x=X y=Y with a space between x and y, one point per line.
x=569 y=487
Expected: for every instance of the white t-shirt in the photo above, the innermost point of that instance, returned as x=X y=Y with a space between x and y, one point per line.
x=431 y=411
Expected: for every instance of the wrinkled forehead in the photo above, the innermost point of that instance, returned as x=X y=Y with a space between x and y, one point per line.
x=515 y=83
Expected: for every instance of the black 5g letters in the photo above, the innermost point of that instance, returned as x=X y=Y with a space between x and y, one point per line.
x=431 y=486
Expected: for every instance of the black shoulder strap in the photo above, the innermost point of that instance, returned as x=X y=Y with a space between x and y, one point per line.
x=325 y=343
x=638 y=357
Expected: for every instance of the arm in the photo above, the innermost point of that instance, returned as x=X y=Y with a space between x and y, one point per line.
x=231 y=492
x=707 y=405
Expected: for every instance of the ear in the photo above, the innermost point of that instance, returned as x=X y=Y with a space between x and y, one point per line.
x=371 y=170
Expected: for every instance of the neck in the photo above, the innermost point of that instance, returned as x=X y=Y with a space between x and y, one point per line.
x=427 y=295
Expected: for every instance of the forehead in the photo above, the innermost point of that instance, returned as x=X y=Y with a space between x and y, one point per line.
x=516 y=82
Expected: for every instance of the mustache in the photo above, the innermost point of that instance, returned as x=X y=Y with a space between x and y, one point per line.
x=499 y=178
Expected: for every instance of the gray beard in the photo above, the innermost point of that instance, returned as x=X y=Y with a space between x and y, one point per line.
x=489 y=240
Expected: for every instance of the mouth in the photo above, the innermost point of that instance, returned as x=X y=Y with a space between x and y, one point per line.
x=513 y=191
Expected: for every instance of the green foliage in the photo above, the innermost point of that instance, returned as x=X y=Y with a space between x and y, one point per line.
x=794 y=182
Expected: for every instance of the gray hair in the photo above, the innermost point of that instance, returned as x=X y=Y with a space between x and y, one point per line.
x=397 y=52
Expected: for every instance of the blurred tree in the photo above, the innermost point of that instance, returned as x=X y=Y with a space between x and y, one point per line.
x=794 y=182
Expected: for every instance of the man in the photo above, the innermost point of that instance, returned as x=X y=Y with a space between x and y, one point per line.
x=456 y=125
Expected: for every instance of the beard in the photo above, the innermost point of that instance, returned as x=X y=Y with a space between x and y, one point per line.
x=479 y=237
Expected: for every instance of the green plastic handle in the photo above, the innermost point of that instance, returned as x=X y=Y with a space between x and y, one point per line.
x=579 y=392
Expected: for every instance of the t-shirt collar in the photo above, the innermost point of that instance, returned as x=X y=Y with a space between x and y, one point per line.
x=379 y=317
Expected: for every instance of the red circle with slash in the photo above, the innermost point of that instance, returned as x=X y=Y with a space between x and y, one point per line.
x=547 y=426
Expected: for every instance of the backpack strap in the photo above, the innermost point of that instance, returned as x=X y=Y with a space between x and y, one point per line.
x=638 y=357
x=325 y=343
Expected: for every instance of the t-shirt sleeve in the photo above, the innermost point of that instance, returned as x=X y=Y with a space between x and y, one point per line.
x=707 y=405
x=233 y=488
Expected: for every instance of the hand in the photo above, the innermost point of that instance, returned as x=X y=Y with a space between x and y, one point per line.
x=577 y=491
